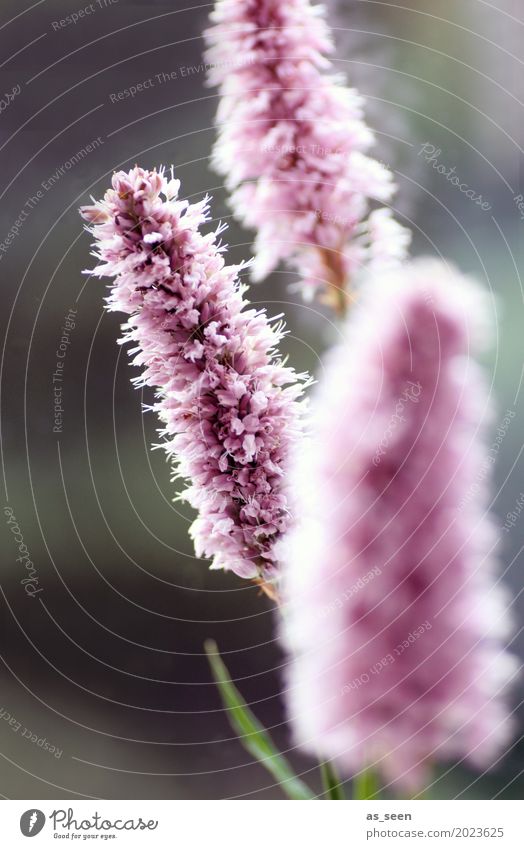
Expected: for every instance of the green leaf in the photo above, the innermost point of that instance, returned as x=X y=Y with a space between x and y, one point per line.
x=252 y=734
x=333 y=787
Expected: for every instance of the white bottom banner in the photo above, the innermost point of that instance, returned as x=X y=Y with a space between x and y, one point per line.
x=218 y=824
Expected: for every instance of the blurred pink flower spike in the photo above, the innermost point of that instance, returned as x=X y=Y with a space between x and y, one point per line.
x=395 y=620
x=230 y=408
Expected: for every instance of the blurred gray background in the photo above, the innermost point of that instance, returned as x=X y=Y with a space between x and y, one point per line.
x=106 y=663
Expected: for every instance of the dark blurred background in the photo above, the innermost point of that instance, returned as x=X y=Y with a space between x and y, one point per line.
x=106 y=662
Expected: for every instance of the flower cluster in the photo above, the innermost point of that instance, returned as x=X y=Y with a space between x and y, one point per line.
x=293 y=146
x=410 y=667
x=229 y=405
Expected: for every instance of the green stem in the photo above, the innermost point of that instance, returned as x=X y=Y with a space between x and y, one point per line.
x=333 y=786
x=365 y=785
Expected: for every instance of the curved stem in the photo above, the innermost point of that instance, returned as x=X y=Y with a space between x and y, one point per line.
x=337 y=296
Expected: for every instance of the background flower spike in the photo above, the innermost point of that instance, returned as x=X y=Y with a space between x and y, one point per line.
x=293 y=149
x=394 y=616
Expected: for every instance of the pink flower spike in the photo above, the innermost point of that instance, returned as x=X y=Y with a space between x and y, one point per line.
x=395 y=621
x=293 y=145
x=230 y=408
